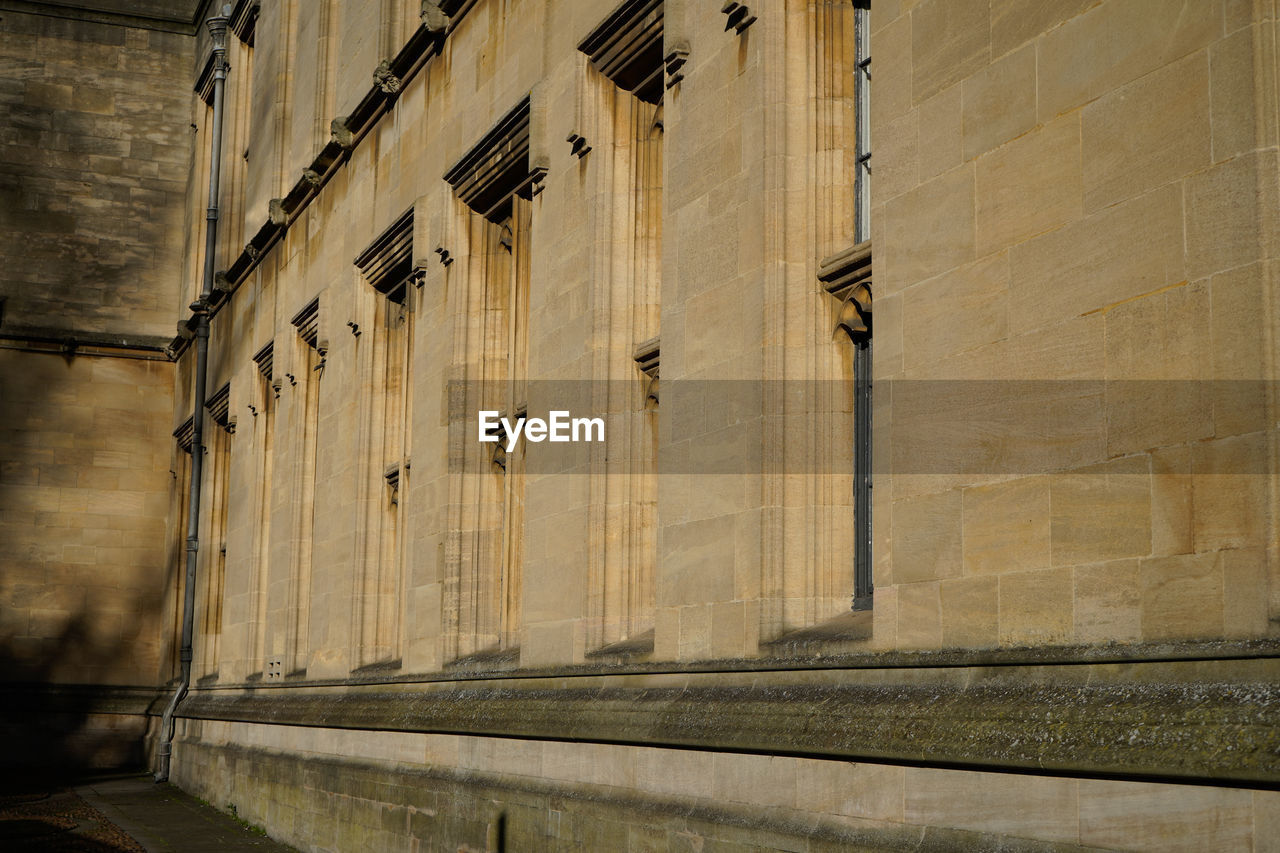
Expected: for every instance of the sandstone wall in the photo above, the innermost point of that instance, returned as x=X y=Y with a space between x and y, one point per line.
x=94 y=154
x=1070 y=229
x=1056 y=202
x=94 y=162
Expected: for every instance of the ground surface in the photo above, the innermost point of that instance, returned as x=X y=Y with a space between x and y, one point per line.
x=123 y=814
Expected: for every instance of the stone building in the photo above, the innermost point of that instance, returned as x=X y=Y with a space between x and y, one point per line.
x=986 y=562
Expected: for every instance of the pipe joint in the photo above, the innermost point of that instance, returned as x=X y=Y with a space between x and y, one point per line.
x=218 y=29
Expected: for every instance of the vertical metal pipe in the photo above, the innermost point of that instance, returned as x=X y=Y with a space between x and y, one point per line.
x=862 y=127
x=201 y=309
x=862 y=574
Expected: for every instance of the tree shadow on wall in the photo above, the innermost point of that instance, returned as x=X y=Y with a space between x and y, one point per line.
x=56 y=733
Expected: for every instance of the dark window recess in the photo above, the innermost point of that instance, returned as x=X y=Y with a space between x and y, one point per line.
x=388 y=262
x=204 y=83
x=244 y=20
x=627 y=48
x=185 y=435
x=497 y=167
x=219 y=407
x=307 y=322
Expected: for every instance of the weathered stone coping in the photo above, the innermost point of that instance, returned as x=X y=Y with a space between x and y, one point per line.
x=1208 y=721
x=809 y=656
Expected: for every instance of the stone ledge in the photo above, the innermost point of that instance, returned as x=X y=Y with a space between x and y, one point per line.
x=1204 y=732
x=822 y=656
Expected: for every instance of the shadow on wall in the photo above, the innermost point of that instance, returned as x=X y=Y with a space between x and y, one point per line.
x=84 y=494
x=54 y=732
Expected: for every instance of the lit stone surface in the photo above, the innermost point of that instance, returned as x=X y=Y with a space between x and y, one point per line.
x=647 y=643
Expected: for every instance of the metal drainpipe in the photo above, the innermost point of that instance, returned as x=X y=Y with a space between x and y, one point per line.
x=200 y=308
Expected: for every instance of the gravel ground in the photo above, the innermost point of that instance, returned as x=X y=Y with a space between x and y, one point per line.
x=58 y=820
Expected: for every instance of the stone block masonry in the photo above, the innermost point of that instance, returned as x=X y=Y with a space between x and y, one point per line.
x=95 y=143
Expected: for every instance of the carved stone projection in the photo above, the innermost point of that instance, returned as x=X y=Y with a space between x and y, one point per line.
x=740 y=17
x=433 y=16
x=497 y=167
x=340 y=133
x=276 y=212
x=220 y=409
x=392 y=476
x=578 y=145
x=186 y=435
x=265 y=360
x=674 y=61
x=627 y=48
x=847 y=276
x=388 y=261
x=307 y=322
x=385 y=79
x=646 y=356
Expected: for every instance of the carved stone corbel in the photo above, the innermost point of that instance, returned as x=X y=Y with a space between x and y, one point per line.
x=385 y=79
x=312 y=177
x=846 y=275
x=855 y=313
x=434 y=20
x=340 y=133
x=276 y=212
